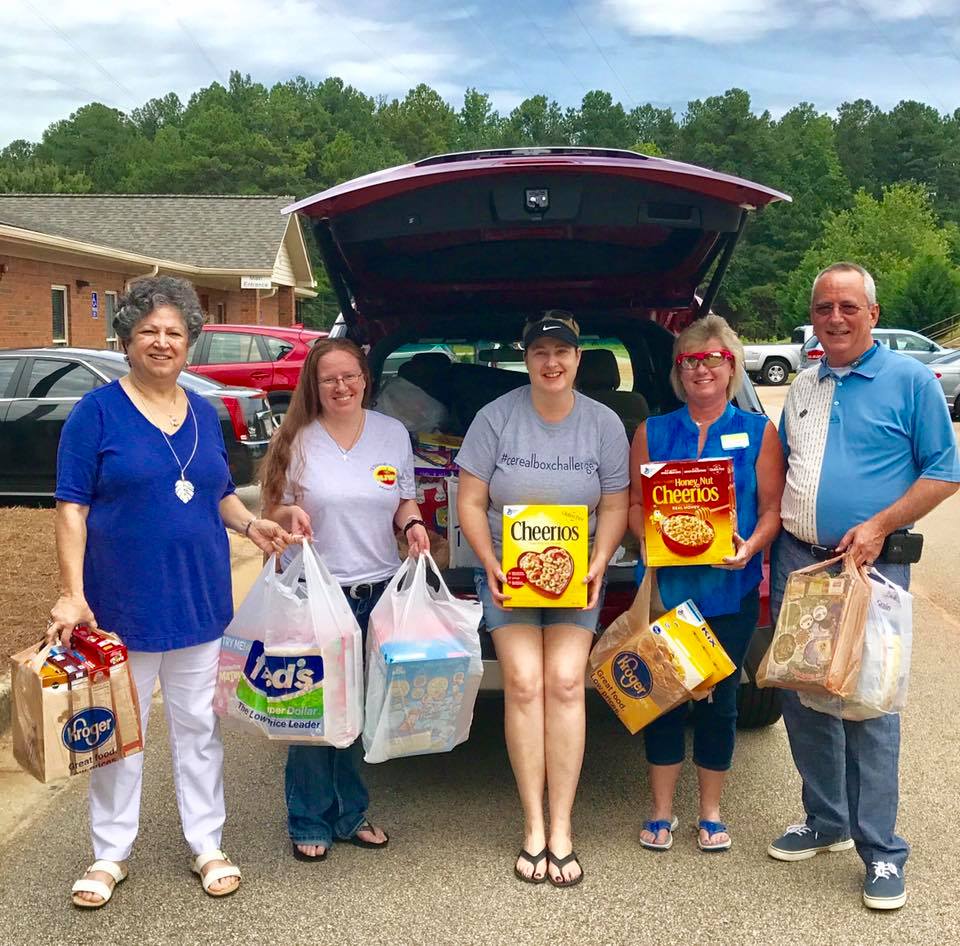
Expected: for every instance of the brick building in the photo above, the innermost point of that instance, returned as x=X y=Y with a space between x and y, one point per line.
x=65 y=258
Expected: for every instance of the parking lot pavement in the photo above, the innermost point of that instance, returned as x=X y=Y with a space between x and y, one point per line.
x=447 y=875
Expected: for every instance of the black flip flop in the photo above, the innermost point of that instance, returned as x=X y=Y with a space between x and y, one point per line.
x=300 y=856
x=560 y=863
x=370 y=845
x=532 y=860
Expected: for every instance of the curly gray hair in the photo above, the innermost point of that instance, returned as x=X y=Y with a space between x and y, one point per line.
x=695 y=336
x=149 y=293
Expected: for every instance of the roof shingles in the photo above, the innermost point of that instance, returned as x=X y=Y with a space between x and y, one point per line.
x=213 y=232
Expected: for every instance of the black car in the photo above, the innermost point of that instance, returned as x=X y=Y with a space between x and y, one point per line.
x=39 y=386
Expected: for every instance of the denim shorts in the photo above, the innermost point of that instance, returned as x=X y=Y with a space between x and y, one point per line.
x=494 y=616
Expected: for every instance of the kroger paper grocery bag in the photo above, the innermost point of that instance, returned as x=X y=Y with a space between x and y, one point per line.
x=69 y=728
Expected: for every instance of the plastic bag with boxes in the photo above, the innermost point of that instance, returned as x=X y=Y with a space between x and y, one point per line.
x=423 y=665
x=881 y=686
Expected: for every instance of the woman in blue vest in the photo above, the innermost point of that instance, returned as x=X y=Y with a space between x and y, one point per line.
x=707 y=372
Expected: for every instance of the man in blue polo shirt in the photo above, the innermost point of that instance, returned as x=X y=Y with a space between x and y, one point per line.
x=870 y=450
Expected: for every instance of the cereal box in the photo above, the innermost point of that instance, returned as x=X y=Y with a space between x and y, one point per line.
x=425 y=688
x=435 y=451
x=545 y=552
x=660 y=665
x=433 y=490
x=689 y=511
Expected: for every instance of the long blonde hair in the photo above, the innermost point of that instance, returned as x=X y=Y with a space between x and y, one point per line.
x=304 y=409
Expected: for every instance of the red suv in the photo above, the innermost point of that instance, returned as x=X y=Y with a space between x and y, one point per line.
x=458 y=249
x=257 y=356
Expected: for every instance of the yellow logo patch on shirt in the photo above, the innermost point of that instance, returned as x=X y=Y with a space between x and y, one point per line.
x=385 y=474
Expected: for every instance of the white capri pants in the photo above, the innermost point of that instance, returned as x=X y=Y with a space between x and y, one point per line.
x=188 y=677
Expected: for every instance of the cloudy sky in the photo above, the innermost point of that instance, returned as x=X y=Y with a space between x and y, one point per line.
x=56 y=55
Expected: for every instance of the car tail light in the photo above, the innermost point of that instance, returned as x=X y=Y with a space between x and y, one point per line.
x=236 y=417
x=937 y=375
x=815 y=354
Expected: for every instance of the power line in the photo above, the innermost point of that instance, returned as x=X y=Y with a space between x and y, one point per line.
x=376 y=52
x=542 y=31
x=603 y=55
x=86 y=56
x=502 y=55
x=217 y=74
x=886 y=39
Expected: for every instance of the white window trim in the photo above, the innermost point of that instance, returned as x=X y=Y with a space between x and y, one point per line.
x=66 y=314
x=111 y=334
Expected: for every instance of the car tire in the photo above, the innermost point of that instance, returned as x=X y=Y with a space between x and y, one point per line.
x=775 y=371
x=757 y=708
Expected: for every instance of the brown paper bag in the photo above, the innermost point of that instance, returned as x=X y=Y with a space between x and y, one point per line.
x=818 y=642
x=64 y=730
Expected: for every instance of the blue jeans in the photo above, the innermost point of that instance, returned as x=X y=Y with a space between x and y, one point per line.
x=714 y=719
x=326 y=796
x=849 y=769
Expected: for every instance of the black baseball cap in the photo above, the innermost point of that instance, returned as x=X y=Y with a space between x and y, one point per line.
x=550 y=328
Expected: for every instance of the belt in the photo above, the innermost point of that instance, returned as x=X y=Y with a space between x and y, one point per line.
x=820 y=552
x=363 y=589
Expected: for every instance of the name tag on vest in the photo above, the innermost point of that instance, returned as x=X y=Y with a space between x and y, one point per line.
x=735 y=441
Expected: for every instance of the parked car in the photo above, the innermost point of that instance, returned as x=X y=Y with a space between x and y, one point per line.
x=265 y=357
x=947 y=370
x=896 y=339
x=39 y=386
x=458 y=249
x=393 y=362
x=772 y=364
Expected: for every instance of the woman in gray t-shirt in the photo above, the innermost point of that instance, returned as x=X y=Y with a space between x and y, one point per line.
x=544 y=444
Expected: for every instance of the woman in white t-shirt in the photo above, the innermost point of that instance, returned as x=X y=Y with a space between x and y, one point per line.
x=544 y=443
x=343 y=476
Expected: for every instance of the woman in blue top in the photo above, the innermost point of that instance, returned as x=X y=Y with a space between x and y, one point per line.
x=707 y=372
x=143 y=495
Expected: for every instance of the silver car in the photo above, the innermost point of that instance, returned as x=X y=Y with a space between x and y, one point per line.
x=947 y=370
x=896 y=339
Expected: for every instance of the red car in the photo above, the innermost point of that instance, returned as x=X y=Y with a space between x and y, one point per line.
x=457 y=249
x=257 y=356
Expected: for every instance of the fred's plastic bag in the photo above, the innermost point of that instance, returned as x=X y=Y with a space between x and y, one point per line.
x=423 y=666
x=291 y=661
x=818 y=640
x=885 y=665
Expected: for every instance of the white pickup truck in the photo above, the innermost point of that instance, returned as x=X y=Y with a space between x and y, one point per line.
x=773 y=364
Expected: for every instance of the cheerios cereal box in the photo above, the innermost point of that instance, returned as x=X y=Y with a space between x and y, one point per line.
x=659 y=666
x=689 y=509
x=545 y=554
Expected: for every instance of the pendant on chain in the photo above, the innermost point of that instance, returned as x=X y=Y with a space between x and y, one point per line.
x=184 y=490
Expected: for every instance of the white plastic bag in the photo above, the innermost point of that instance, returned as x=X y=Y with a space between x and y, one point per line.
x=885 y=665
x=423 y=666
x=291 y=662
x=412 y=406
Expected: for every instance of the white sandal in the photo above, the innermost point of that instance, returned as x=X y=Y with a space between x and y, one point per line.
x=217 y=873
x=83 y=885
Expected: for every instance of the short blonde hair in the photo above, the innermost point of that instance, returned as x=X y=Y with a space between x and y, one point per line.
x=695 y=337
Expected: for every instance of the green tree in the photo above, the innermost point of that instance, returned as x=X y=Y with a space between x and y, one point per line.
x=150 y=117
x=420 y=125
x=654 y=126
x=95 y=140
x=929 y=293
x=601 y=123
x=37 y=177
x=886 y=236
x=479 y=125
x=536 y=121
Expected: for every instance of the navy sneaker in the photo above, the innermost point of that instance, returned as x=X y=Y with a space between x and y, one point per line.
x=884 y=887
x=799 y=842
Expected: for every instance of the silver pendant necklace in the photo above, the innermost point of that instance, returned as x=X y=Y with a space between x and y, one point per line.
x=183 y=488
x=344 y=454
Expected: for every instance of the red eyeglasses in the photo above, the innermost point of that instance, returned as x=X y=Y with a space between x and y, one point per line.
x=688 y=360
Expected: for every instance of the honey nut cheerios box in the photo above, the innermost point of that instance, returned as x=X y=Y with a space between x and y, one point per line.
x=659 y=666
x=545 y=556
x=689 y=509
